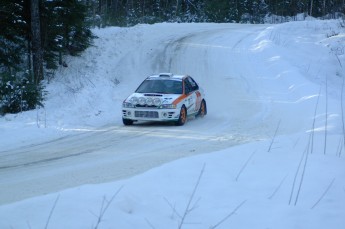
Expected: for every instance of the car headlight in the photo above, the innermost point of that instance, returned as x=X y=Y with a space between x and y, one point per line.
x=157 y=102
x=149 y=101
x=168 y=106
x=142 y=101
x=127 y=105
x=134 y=100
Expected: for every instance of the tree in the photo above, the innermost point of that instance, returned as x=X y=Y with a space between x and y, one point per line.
x=12 y=41
x=258 y=11
x=37 y=53
x=65 y=30
x=218 y=12
x=38 y=34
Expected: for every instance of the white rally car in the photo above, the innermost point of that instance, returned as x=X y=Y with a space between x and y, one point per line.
x=165 y=97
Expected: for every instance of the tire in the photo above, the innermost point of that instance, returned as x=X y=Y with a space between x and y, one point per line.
x=202 y=110
x=183 y=117
x=127 y=122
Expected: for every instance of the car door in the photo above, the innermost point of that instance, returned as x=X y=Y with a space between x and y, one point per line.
x=198 y=96
x=193 y=96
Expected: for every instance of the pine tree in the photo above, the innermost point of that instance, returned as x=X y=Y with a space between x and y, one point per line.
x=66 y=30
x=258 y=11
x=12 y=39
x=218 y=12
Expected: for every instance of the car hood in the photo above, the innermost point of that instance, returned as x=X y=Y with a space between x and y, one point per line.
x=165 y=98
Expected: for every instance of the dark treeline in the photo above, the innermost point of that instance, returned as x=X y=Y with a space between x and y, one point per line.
x=37 y=35
x=130 y=12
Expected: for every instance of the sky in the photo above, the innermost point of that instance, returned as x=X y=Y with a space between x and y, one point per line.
x=269 y=154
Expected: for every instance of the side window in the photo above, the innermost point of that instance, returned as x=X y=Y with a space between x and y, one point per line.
x=193 y=84
x=187 y=87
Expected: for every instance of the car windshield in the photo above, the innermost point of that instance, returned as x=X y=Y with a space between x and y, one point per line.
x=160 y=86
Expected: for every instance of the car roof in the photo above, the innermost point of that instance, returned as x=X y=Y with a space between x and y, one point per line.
x=162 y=76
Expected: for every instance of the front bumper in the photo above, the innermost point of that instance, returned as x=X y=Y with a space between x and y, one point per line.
x=142 y=114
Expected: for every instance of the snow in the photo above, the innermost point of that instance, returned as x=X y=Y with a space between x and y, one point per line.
x=269 y=154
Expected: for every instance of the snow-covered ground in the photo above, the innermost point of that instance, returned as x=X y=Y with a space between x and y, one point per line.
x=269 y=154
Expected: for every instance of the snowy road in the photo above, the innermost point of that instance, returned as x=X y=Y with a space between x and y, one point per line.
x=215 y=56
x=100 y=156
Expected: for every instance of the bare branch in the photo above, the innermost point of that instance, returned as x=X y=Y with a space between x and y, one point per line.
x=245 y=165
x=229 y=215
x=173 y=208
x=340 y=147
x=274 y=136
x=150 y=224
x=302 y=175
x=188 y=208
x=326 y=116
x=338 y=60
x=104 y=208
x=314 y=120
x=51 y=211
x=297 y=171
x=276 y=190
x=323 y=195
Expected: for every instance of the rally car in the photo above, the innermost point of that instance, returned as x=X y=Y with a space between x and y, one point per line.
x=165 y=98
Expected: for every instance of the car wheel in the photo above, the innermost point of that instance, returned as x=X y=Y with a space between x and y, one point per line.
x=183 y=117
x=127 y=122
x=202 y=110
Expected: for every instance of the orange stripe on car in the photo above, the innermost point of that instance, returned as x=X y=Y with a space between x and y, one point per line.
x=182 y=97
x=179 y=99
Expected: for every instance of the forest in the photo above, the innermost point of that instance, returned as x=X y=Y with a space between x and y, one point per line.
x=129 y=12
x=37 y=35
